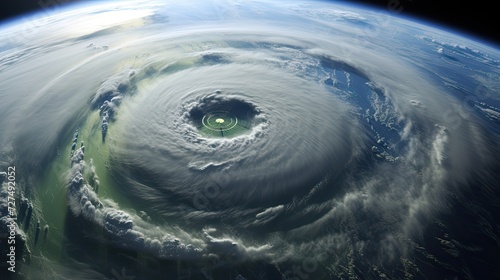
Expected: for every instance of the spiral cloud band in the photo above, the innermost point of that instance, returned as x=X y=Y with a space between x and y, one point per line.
x=218 y=145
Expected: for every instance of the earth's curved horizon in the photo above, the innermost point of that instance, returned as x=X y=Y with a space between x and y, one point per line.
x=246 y=140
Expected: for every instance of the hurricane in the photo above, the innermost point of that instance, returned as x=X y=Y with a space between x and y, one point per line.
x=259 y=140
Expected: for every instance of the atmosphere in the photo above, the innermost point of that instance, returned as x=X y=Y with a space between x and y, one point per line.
x=246 y=140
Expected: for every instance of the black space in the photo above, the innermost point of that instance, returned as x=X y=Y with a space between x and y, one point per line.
x=11 y=9
x=477 y=18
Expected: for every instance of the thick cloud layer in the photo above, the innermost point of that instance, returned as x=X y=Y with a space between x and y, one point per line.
x=271 y=161
x=357 y=144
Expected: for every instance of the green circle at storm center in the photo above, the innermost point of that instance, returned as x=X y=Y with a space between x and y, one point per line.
x=223 y=118
x=219 y=121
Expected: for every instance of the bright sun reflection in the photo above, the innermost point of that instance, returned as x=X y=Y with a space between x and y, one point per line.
x=93 y=23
